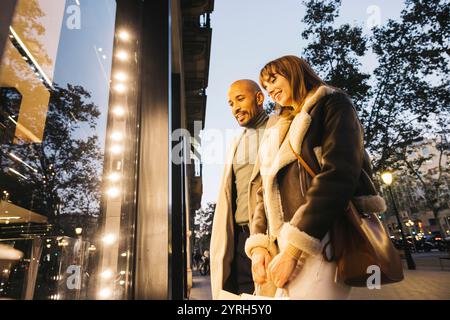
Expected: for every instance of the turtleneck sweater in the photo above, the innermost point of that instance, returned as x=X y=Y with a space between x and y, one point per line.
x=244 y=161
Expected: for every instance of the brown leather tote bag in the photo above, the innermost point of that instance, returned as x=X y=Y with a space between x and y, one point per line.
x=359 y=240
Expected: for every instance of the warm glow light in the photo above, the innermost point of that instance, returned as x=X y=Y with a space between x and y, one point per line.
x=105 y=293
x=125 y=254
x=120 y=88
x=21 y=161
x=409 y=223
x=114 y=177
x=17 y=173
x=109 y=239
x=122 y=55
x=116 y=149
x=387 y=178
x=78 y=231
x=121 y=282
x=123 y=35
x=121 y=76
x=63 y=243
x=119 y=111
x=122 y=272
x=9 y=218
x=116 y=136
x=107 y=274
x=113 y=192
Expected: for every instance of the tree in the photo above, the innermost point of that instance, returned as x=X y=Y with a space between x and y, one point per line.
x=62 y=175
x=203 y=220
x=409 y=87
x=334 y=52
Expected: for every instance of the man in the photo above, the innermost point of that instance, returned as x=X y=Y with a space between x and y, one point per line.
x=230 y=267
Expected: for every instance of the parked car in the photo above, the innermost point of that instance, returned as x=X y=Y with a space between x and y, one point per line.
x=424 y=245
x=398 y=244
x=438 y=243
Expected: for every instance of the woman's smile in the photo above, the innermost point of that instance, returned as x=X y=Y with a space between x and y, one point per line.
x=277 y=96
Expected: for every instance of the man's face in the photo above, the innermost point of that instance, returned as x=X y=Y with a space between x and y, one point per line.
x=242 y=100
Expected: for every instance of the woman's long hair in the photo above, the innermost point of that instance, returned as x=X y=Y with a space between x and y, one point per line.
x=301 y=76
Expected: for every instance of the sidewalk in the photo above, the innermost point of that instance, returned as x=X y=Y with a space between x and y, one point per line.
x=201 y=287
x=428 y=282
x=417 y=285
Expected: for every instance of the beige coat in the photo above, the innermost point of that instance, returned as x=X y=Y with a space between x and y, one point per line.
x=222 y=237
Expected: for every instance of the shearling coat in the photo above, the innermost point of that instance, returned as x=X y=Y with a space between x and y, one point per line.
x=289 y=203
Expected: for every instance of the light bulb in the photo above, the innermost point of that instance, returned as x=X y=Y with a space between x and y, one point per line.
x=109 y=239
x=113 y=192
x=123 y=35
x=122 y=55
x=119 y=111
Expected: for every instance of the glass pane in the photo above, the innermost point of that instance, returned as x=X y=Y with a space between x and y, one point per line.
x=59 y=142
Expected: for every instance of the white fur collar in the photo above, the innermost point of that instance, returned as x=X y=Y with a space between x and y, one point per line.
x=275 y=154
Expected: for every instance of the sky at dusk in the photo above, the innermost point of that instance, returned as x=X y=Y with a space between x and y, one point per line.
x=249 y=33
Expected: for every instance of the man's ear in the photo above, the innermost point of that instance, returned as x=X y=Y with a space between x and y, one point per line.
x=259 y=98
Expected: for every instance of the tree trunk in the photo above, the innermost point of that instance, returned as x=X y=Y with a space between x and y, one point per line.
x=436 y=216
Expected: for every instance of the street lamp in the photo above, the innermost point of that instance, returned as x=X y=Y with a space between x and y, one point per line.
x=387 y=179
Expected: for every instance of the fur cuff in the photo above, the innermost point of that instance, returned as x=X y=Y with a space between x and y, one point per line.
x=260 y=240
x=370 y=204
x=300 y=239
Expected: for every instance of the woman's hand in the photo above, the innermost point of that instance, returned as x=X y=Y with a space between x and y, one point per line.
x=260 y=262
x=281 y=268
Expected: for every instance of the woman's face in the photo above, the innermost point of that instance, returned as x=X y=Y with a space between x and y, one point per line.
x=279 y=90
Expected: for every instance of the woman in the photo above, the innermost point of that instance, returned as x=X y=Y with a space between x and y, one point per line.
x=319 y=123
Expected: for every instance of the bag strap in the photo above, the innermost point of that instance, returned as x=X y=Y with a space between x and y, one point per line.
x=303 y=162
x=313 y=174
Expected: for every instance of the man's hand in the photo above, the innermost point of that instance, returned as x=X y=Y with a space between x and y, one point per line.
x=281 y=268
x=260 y=262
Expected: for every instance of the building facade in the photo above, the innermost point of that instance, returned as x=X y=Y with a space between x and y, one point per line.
x=409 y=191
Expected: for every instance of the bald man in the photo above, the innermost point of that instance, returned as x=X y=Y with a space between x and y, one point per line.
x=230 y=266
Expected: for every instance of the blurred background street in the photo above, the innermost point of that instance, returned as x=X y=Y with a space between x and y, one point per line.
x=429 y=282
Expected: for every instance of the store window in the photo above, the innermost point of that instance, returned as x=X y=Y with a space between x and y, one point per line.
x=67 y=152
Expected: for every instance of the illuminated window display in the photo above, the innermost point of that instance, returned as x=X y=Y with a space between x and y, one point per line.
x=66 y=146
x=91 y=204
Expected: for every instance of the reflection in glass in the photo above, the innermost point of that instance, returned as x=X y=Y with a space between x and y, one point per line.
x=54 y=109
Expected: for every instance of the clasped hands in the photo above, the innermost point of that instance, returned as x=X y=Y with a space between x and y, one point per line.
x=279 y=269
